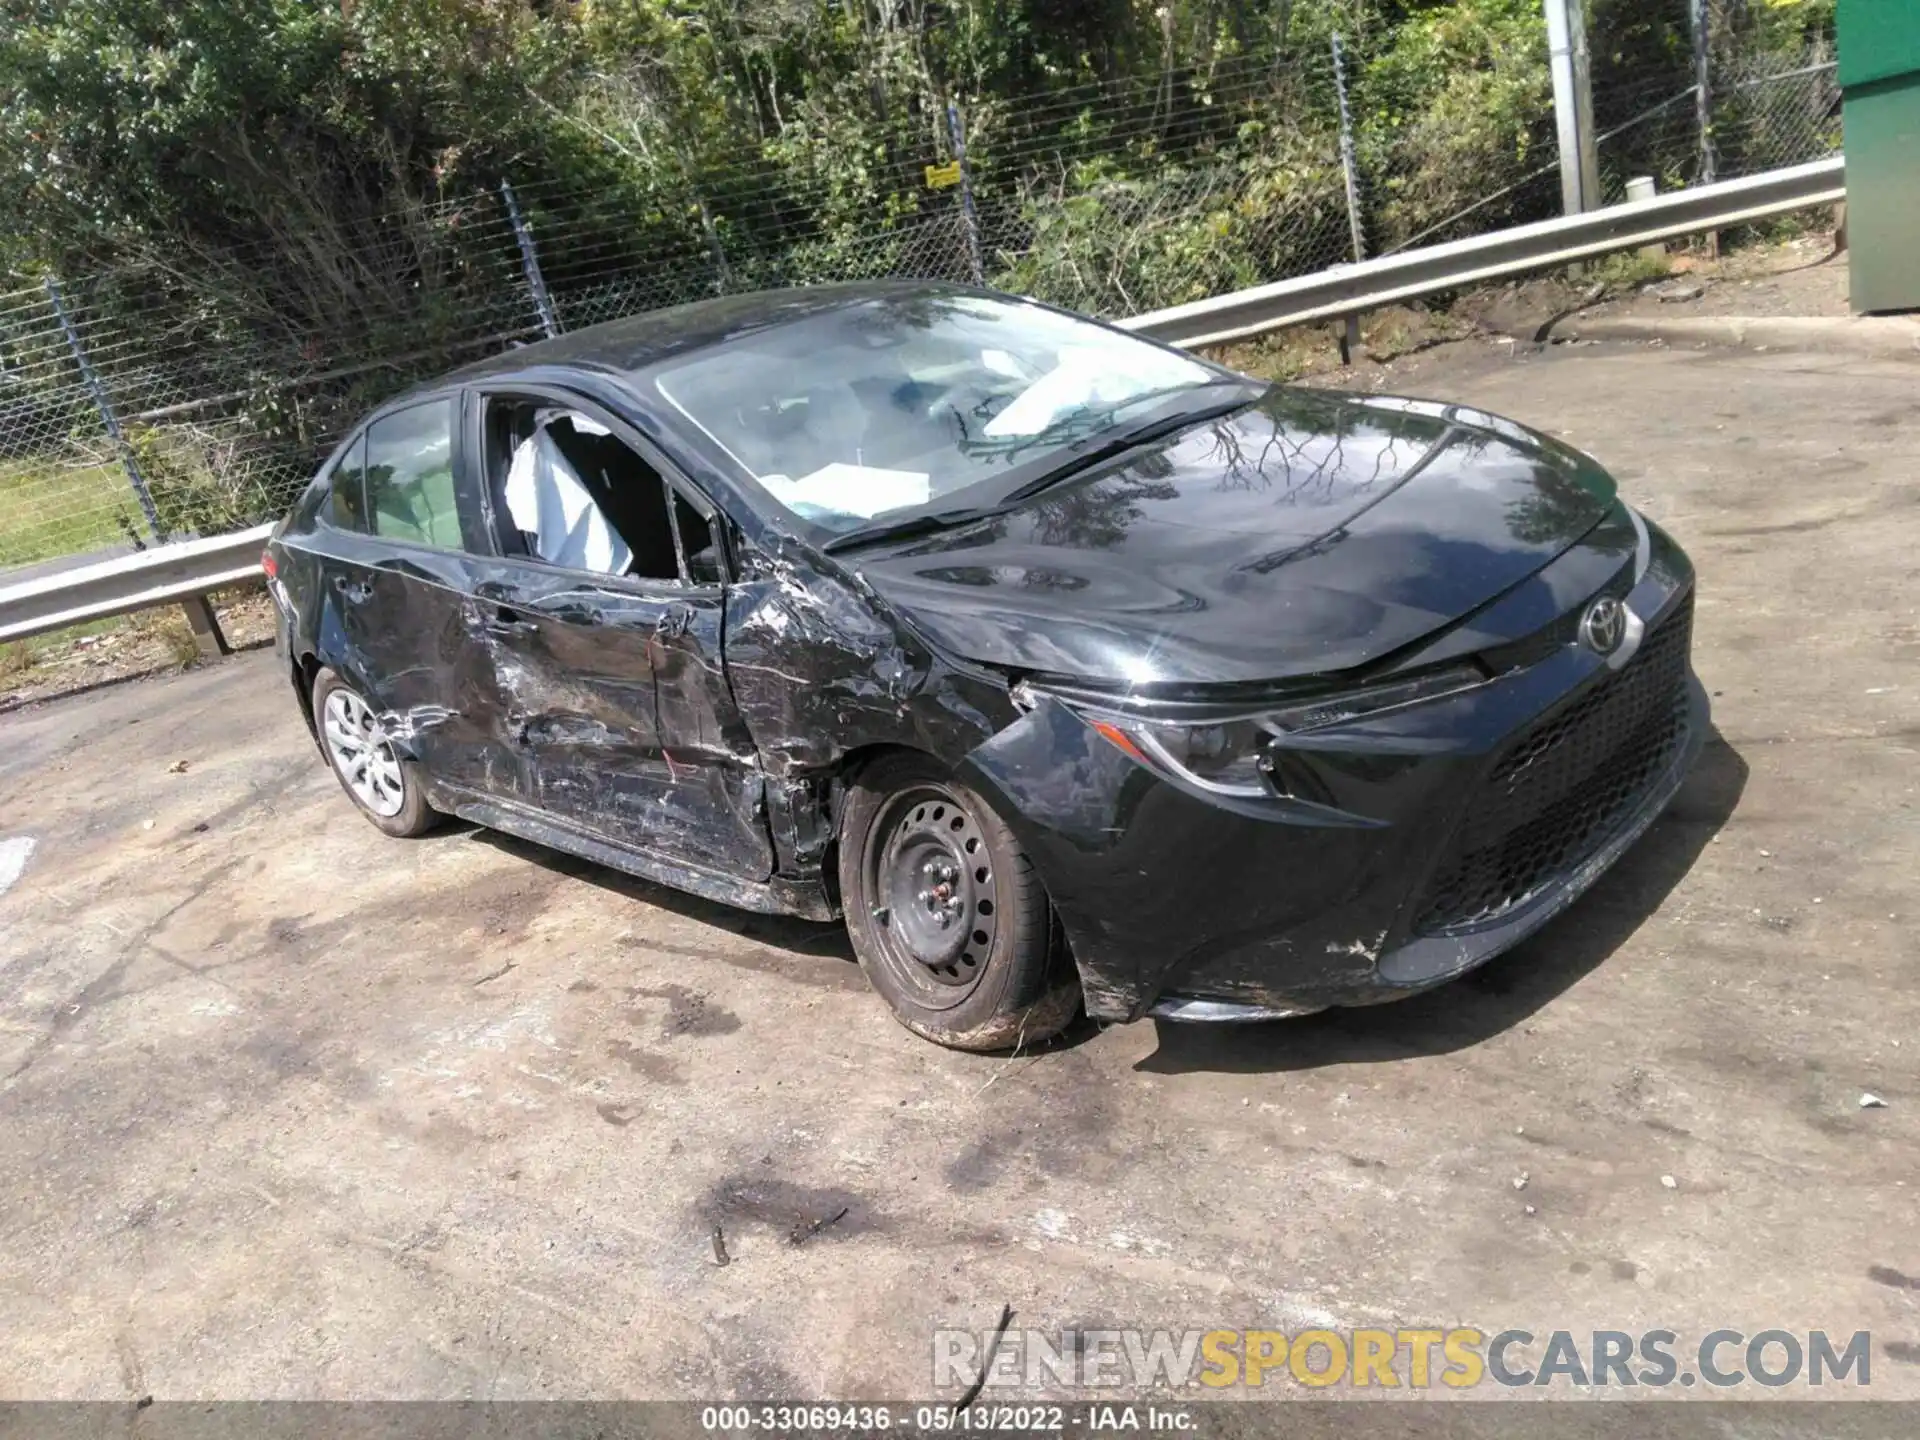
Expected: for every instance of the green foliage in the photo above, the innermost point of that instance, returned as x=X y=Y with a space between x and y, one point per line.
x=199 y=481
x=1458 y=98
x=1630 y=270
x=294 y=206
x=1788 y=22
x=233 y=118
x=1116 y=242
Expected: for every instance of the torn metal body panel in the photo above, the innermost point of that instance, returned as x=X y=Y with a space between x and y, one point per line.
x=822 y=669
x=618 y=708
x=1308 y=701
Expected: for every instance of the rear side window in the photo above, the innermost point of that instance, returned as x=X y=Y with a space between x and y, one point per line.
x=349 y=488
x=410 y=492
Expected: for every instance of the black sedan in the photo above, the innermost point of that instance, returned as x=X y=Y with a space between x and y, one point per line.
x=1069 y=668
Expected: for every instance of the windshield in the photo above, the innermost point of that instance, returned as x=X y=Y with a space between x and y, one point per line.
x=895 y=404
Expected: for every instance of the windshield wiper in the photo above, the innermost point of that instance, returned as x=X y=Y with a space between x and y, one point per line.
x=1094 y=449
x=904 y=528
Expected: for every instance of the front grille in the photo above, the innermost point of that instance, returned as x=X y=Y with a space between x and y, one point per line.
x=1559 y=789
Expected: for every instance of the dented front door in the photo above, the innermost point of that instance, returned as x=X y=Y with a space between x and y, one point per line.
x=615 y=710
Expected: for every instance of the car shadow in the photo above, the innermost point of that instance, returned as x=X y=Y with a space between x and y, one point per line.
x=1506 y=990
x=812 y=938
x=1493 y=998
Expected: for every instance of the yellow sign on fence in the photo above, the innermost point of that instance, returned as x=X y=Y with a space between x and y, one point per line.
x=939 y=177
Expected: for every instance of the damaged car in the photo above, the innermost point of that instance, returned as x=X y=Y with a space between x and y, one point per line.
x=1069 y=668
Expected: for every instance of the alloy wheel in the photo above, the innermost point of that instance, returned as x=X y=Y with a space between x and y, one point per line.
x=361 y=754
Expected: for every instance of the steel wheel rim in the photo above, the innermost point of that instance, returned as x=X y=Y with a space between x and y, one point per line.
x=361 y=755
x=936 y=905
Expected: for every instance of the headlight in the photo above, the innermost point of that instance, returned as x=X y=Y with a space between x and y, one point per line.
x=1227 y=759
x=1235 y=756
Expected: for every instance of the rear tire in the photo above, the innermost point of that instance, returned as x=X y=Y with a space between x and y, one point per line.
x=388 y=788
x=947 y=916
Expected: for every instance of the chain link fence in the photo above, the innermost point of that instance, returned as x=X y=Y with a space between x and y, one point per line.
x=196 y=392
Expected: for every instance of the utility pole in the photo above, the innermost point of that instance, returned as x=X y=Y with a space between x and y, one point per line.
x=1350 y=334
x=1700 y=24
x=1573 y=105
x=1349 y=166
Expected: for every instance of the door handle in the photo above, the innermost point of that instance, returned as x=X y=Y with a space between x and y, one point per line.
x=676 y=621
x=507 y=624
x=352 y=592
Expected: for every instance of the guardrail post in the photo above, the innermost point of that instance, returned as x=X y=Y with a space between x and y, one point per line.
x=1350 y=334
x=969 y=218
x=1645 y=187
x=104 y=405
x=206 y=628
x=530 y=262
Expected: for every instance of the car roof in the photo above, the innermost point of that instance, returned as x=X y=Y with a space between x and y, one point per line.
x=640 y=340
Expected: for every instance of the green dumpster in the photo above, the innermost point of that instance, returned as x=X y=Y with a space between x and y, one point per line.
x=1880 y=78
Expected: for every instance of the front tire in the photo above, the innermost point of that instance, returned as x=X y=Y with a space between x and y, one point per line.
x=948 y=919
x=387 y=788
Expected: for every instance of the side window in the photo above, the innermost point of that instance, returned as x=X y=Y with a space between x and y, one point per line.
x=568 y=491
x=348 y=488
x=410 y=492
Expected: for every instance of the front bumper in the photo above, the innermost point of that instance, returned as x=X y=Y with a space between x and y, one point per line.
x=1189 y=908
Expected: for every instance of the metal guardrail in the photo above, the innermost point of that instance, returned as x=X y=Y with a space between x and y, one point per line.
x=183 y=570
x=1411 y=274
x=187 y=570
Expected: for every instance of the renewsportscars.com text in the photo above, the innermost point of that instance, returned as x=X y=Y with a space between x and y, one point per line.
x=1374 y=1359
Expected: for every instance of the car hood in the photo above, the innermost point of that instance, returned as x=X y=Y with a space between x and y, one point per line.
x=1311 y=532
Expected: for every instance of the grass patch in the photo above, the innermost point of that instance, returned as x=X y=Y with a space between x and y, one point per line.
x=163 y=626
x=158 y=637
x=1280 y=354
x=18 y=658
x=49 y=509
x=1629 y=270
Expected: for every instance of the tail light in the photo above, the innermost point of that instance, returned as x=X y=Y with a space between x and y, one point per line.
x=266 y=564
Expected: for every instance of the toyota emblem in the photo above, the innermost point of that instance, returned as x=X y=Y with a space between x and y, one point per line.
x=1604 y=625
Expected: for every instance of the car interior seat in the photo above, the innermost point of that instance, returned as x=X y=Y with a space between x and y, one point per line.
x=628 y=491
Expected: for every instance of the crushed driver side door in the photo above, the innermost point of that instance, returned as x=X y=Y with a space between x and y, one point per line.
x=612 y=702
